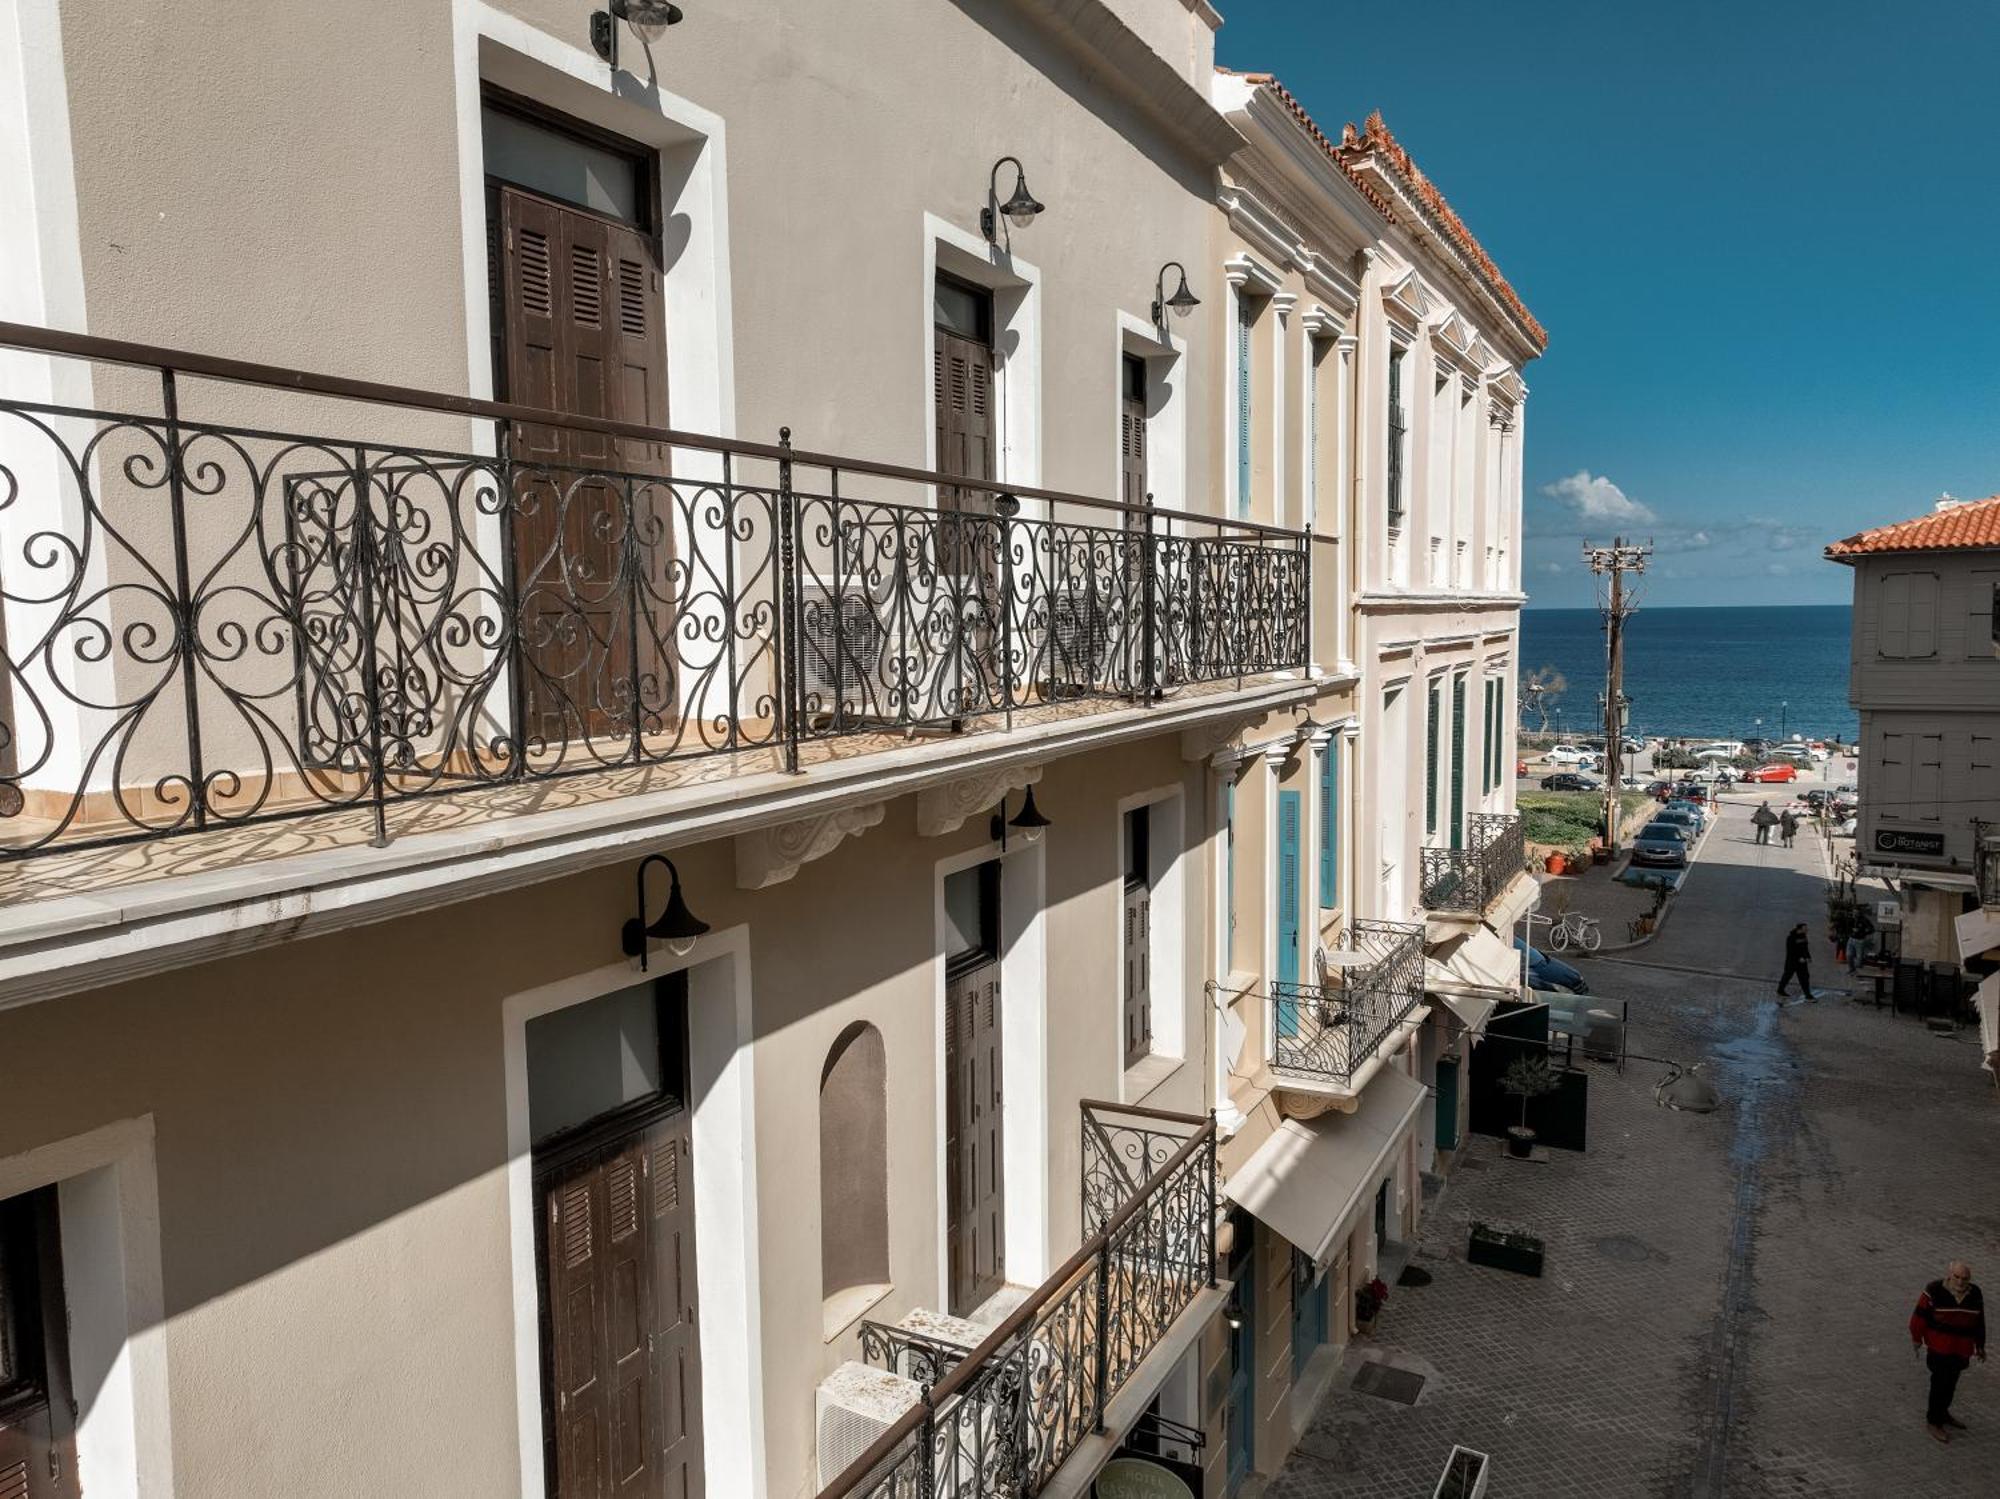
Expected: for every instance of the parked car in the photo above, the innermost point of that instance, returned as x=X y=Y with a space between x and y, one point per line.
x=1545 y=972
x=1590 y=762
x=1692 y=791
x=1662 y=845
x=1633 y=746
x=1775 y=772
x=1569 y=780
x=1567 y=754
x=1816 y=799
x=1687 y=814
x=1632 y=783
x=1659 y=791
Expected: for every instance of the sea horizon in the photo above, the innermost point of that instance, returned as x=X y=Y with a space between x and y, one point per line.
x=1731 y=671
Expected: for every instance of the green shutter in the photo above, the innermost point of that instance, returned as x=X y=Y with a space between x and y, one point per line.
x=1242 y=405
x=1458 y=761
x=1229 y=890
x=1435 y=710
x=1329 y=833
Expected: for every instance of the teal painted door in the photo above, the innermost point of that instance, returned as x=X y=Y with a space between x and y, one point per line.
x=1309 y=1319
x=1290 y=813
x=1447 y=1104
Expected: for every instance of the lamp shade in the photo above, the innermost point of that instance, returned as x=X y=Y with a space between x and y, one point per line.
x=1029 y=822
x=649 y=19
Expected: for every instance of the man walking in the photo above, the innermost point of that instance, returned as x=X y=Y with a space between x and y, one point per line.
x=1798 y=957
x=1765 y=819
x=1948 y=1329
x=1788 y=826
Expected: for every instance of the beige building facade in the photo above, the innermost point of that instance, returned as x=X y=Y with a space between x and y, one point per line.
x=555 y=934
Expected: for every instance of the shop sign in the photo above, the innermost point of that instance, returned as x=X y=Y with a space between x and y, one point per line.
x=1918 y=845
x=1132 y=1476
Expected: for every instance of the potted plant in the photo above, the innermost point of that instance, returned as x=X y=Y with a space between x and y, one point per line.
x=1556 y=861
x=1504 y=1249
x=1526 y=1078
x=1368 y=1301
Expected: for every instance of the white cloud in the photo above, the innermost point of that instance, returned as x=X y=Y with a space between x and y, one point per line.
x=1550 y=567
x=1592 y=497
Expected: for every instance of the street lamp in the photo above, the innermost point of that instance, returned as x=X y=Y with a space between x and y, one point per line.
x=677 y=926
x=1020 y=207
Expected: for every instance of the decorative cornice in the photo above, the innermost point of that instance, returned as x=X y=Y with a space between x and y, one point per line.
x=943 y=809
x=1284 y=301
x=770 y=856
x=1206 y=740
x=1318 y=322
x=1243 y=270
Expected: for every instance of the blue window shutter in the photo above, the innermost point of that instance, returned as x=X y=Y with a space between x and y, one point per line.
x=1329 y=826
x=1289 y=817
x=1242 y=406
x=1458 y=761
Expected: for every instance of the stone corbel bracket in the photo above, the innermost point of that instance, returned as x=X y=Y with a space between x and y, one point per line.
x=943 y=809
x=1213 y=737
x=770 y=856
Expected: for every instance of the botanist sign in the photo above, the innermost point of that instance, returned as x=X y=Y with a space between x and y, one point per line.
x=1922 y=845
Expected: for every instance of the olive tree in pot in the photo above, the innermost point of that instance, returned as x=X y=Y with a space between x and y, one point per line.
x=1526 y=1078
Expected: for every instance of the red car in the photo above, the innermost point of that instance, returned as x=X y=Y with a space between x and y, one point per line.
x=1777 y=770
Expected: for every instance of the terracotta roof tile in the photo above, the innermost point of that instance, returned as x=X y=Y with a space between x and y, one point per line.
x=1968 y=525
x=1374 y=139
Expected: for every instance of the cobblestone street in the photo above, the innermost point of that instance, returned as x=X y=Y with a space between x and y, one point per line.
x=1724 y=1305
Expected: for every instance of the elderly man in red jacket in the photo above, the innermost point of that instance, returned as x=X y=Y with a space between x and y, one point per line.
x=1949 y=1330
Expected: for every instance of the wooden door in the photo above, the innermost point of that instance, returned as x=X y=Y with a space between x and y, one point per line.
x=37 y=1407
x=1240 y=1402
x=583 y=332
x=1132 y=432
x=623 y=1365
x=974 y=1163
x=1290 y=815
x=1138 y=971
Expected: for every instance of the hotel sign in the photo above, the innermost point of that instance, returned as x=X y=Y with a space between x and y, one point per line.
x=1918 y=845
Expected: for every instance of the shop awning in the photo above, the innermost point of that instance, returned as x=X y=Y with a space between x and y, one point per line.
x=1472 y=974
x=1978 y=932
x=1311 y=1176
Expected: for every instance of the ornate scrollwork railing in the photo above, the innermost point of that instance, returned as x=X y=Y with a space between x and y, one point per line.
x=1003 y=1419
x=209 y=623
x=1471 y=878
x=1327 y=1031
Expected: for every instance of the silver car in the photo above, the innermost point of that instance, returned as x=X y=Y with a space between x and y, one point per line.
x=1662 y=845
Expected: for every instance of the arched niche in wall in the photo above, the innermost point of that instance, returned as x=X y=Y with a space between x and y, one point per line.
x=853 y=1175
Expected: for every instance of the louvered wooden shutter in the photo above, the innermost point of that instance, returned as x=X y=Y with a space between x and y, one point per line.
x=1138 y=972
x=1892 y=615
x=1435 y=708
x=1458 y=761
x=1329 y=824
x=962 y=400
x=1290 y=836
x=1132 y=451
x=975 y=1179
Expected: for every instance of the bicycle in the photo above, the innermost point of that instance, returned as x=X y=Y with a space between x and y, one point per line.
x=1574 y=926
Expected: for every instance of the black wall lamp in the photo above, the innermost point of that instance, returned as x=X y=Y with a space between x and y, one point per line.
x=677 y=926
x=1020 y=209
x=649 y=20
x=1028 y=822
x=1180 y=304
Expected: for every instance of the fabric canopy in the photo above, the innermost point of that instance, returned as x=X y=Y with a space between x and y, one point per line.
x=1478 y=963
x=1472 y=1010
x=1989 y=1014
x=1310 y=1177
x=1978 y=933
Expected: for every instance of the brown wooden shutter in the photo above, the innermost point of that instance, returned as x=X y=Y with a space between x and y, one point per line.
x=1138 y=972
x=676 y=1325
x=37 y=1403
x=962 y=400
x=584 y=333
x=975 y=1171
x=1132 y=451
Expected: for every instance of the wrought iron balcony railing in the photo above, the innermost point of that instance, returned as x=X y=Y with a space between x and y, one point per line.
x=210 y=623
x=1326 y=1032
x=1471 y=878
x=999 y=1421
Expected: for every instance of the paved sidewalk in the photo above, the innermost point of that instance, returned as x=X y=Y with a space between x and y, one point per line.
x=1724 y=1305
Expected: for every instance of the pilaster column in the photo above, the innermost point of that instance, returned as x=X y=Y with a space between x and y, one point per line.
x=1227 y=1030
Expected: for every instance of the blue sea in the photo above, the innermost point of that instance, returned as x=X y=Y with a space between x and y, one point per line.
x=1713 y=673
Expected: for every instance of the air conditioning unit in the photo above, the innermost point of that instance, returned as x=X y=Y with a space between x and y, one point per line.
x=841 y=641
x=853 y=1406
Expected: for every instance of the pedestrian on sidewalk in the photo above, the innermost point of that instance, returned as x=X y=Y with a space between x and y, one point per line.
x=1948 y=1329
x=1798 y=958
x=1860 y=928
x=1765 y=819
x=1788 y=826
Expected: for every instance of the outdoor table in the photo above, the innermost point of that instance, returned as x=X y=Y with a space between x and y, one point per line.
x=1880 y=976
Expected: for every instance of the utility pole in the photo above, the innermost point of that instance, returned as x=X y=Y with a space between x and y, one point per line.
x=1610 y=565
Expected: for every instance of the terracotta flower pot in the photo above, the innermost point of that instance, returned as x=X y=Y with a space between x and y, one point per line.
x=1555 y=864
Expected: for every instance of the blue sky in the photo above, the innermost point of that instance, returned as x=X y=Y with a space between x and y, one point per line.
x=1764 y=238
